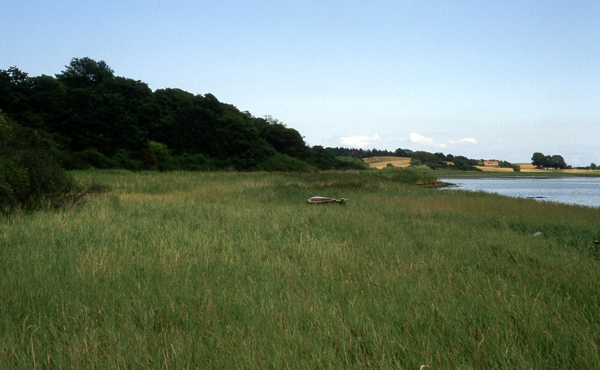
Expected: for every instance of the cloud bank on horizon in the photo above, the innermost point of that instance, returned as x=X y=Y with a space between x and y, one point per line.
x=361 y=141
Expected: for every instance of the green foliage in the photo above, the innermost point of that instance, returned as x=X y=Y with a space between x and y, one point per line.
x=239 y=143
x=125 y=159
x=420 y=168
x=158 y=156
x=321 y=158
x=284 y=163
x=85 y=71
x=504 y=164
x=540 y=160
x=30 y=177
x=14 y=88
x=194 y=162
x=558 y=161
x=95 y=159
x=420 y=175
x=49 y=185
x=283 y=139
x=185 y=123
x=352 y=162
x=6 y=130
x=537 y=159
x=465 y=164
x=367 y=153
x=428 y=159
x=14 y=183
x=160 y=150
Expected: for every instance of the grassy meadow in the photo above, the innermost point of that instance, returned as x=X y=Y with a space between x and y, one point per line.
x=235 y=270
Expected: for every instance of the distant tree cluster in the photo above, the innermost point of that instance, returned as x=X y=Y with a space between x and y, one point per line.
x=97 y=119
x=539 y=160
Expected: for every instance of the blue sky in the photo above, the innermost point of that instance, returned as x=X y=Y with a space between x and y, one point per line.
x=484 y=79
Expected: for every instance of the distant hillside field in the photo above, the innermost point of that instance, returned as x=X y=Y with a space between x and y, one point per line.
x=381 y=162
x=494 y=169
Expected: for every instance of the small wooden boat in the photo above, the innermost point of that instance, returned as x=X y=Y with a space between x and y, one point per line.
x=326 y=200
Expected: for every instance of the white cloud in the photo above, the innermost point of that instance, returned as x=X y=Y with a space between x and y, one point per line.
x=359 y=140
x=464 y=140
x=420 y=139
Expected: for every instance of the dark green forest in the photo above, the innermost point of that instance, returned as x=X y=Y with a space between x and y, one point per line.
x=90 y=117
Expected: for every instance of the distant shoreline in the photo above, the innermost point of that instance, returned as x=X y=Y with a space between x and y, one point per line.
x=526 y=169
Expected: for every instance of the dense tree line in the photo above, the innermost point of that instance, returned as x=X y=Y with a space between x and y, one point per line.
x=97 y=119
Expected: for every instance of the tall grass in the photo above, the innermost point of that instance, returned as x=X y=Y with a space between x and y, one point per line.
x=235 y=270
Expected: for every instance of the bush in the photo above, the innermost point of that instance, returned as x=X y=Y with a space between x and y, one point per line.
x=13 y=183
x=420 y=168
x=193 y=162
x=123 y=159
x=97 y=159
x=285 y=163
x=161 y=157
x=87 y=159
x=30 y=177
x=428 y=159
x=410 y=176
x=50 y=186
x=75 y=161
x=352 y=163
x=35 y=182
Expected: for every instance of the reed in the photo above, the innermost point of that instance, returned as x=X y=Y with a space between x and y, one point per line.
x=235 y=270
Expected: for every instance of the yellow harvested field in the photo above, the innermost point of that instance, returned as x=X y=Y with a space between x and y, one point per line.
x=494 y=169
x=381 y=162
x=528 y=167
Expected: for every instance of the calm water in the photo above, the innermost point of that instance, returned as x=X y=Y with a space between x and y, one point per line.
x=570 y=190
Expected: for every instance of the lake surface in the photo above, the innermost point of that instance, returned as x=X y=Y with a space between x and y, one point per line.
x=570 y=190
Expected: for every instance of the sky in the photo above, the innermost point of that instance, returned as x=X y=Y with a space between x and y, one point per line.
x=484 y=79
